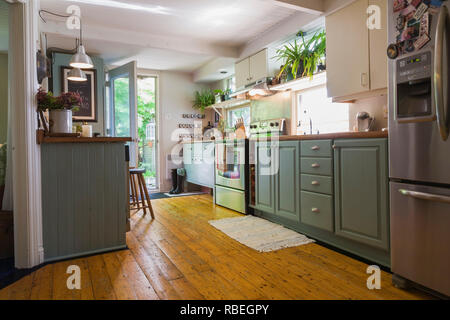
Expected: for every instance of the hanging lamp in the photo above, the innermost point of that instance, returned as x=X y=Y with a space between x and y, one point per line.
x=76 y=74
x=80 y=59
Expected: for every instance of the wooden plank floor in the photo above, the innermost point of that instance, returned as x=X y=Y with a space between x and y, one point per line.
x=180 y=256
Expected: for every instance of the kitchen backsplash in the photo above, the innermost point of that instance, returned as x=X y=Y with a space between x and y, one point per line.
x=375 y=106
x=272 y=107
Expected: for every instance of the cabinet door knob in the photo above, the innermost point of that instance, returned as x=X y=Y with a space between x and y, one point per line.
x=334 y=146
x=315 y=183
x=315 y=210
x=315 y=165
x=364 y=79
x=315 y=148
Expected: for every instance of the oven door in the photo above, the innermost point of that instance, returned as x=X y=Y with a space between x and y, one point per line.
x=230 y=165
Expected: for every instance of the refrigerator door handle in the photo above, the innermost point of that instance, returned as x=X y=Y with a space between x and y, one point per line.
x=439 y=73
x=425 y=196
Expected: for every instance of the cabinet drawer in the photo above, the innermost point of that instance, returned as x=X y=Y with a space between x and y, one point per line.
x=316 y=148
x=320 y=166
x=317 y=210
x=319 y=184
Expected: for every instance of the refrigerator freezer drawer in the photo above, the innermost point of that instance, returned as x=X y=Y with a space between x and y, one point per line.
x=230 y=198
x=420 y=237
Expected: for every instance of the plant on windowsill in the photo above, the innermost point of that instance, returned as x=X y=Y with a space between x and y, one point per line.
x=60 y=109
x=203 y=99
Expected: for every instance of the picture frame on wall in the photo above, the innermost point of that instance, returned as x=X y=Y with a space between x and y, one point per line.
x=87 y=90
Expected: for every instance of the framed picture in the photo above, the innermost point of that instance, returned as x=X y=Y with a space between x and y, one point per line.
x=87 y=90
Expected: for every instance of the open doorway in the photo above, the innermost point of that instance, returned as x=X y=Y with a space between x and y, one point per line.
x=147 y=129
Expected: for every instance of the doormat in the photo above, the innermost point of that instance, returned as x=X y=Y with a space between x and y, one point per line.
x=184 y=194
x=158 y=195
x=259 y=234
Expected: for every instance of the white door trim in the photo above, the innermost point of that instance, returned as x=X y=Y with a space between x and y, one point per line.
x=26 y=156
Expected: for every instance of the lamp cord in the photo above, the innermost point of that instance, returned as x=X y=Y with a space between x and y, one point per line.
x=62 y=16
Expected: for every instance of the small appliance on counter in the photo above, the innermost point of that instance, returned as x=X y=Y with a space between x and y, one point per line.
x=365 y=121
x=268 y=128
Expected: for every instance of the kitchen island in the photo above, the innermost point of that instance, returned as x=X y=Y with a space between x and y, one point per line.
x=84 y=195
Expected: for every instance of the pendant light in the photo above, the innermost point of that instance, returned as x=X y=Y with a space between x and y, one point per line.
x=77 y=75
x=80 y=59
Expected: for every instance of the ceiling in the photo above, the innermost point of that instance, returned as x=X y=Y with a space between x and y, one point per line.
x=3 y=26
x=166 y=34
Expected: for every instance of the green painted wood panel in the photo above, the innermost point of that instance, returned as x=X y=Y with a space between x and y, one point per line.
x=317 y=148
x=361 y=191
x=287 y=181
x=264 y=181
x=320 y=184
x=317 y=166
x=317 y=210
x=84 y=198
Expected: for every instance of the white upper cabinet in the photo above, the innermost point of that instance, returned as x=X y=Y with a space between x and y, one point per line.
x=356 y=57
x=242 y=73
x=255 y=67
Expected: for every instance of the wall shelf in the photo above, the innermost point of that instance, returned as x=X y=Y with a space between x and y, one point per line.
x=302 y=83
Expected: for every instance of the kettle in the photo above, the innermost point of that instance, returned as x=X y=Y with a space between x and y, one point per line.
x=365 y=121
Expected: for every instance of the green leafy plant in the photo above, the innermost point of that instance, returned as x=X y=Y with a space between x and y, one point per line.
x=203 y=99
x=291 y=55
x=302 y=58
x=314 y=51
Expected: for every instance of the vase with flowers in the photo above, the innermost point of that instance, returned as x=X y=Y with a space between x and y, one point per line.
x=60 y=109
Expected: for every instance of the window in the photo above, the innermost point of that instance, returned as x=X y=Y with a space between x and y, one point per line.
x=235 y=114
x=316 y=113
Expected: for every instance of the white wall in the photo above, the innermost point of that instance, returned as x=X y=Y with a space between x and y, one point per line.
x=376 y=106
x=176 y=93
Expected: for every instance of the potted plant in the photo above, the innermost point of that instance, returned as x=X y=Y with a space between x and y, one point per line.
x=60 y=109
x=220 y=95
x=291 y=54
x=203 y=99
x=314 y=51
x=227 y=94
x=302 y=59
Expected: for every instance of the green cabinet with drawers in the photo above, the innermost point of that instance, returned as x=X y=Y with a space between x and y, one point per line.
x=334 y=191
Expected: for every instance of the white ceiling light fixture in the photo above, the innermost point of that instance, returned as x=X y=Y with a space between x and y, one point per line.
x=77 y=75
x=122 y=5
x=80 y=59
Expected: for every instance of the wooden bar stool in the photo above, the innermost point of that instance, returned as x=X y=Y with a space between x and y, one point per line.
x=139 y=192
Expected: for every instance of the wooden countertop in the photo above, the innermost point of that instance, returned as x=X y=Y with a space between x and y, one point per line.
x=336 y=135
x=41 y=138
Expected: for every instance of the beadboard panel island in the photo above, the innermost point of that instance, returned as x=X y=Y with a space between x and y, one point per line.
x=84 y=196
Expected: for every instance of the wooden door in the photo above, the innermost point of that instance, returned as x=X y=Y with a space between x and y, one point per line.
x=361 y=191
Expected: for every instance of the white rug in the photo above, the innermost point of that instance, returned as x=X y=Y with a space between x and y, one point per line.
x=259 y=234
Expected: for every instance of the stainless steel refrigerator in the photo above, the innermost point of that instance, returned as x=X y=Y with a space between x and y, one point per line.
x=419 y=143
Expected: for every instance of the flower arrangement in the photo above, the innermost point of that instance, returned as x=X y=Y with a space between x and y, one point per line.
x=67 y=101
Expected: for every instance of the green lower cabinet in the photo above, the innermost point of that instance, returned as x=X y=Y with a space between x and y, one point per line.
x=361 y=191
x=287 y=181
x=317 y=210
x=264 y=178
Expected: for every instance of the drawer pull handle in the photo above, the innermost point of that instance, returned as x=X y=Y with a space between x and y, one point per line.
x=315 y=210
x=315 y=148
x=315 y=183
x=315 y=165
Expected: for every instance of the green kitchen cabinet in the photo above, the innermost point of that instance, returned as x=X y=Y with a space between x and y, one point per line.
x=264 y=177
x=287 y=181
x=361 y=191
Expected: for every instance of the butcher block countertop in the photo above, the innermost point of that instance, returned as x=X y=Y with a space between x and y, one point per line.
x=41 y=138
x=337 y=135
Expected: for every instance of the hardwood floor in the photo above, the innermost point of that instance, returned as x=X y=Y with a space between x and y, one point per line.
x=180 y=256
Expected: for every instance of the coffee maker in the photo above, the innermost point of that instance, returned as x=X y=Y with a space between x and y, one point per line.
x=365 y=121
